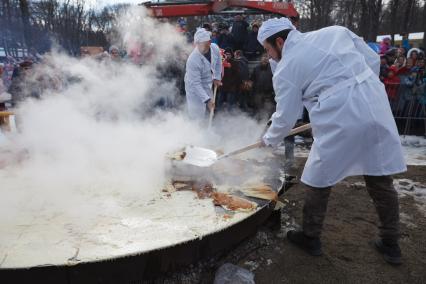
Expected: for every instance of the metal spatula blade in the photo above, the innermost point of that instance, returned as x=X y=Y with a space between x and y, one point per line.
x=200 y=157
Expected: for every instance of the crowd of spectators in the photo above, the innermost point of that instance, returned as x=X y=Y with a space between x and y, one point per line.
x=240 y=36
x=247 y=75
x=403 y=73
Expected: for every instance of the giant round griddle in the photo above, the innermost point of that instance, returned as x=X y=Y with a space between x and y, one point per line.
x=144 y=239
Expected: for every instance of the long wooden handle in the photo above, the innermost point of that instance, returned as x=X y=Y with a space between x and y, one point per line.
x=6 y=113
x=212 y=110
x=258 y=144
x=242 y=150
x=300 y=129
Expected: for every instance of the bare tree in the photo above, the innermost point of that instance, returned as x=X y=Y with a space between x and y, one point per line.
x=371 y=13
x=424 y=23
x=408 y=14
x=70 y=23
x=25 y=16
x=320 y=11
x=394 y=7
x=350 y=10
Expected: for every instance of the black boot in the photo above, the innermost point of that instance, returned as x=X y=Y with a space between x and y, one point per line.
x=390 y=250
x=310 y=245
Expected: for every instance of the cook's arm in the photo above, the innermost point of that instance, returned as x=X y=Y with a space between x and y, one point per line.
x=217 y=63
x=289 y=103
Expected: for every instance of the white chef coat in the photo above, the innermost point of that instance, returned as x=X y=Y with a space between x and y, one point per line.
x=334 y=74
x=198 y=80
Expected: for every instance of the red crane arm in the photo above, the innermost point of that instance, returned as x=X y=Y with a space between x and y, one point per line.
x=166 y=10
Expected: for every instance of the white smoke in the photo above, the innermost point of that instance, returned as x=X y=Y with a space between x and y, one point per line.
x=97 y=134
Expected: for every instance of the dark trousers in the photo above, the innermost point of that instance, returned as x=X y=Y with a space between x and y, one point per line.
x=380 y=189
x=226 y=100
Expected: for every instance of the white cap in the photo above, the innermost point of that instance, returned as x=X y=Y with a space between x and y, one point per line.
x=273 y=26
x=113 y=47
x=202 y=35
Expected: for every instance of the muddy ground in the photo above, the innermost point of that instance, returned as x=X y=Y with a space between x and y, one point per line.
x=348 y=256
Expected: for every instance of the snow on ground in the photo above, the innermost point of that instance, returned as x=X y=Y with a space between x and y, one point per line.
x=407 y=220
x=414 y=150
x=301 y=152
x=407 y=187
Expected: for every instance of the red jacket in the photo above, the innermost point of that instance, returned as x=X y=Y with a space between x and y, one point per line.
x=392 y=86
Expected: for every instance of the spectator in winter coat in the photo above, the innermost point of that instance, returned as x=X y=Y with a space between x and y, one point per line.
x=230 y=82
x=114 y=54
x=413 y=54
x=253 y=49
x=245 y=86
x=400 y=62
x=207 y=27
x=401 y=52
x=405 y=42
x=239 y=32
x=392 y=82
x=215 y=37
x=383 y=67
x=4 y=96
x=22 y=86
x=385 y=45
x=405 y=87
x=239 y=57
x=391 y=56
x=225 y=39
x=263 y=91
x=405 y=69
x=414 y=82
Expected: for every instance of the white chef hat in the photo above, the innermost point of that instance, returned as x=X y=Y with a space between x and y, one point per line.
x=273 y=26
x=202 y=35
x=113 y=47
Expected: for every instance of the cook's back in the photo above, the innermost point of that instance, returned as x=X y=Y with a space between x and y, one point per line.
x=315 y=61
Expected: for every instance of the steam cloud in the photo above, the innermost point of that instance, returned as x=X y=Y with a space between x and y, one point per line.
x=98 y=137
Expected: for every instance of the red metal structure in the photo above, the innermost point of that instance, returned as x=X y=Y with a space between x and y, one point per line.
x=204 y=8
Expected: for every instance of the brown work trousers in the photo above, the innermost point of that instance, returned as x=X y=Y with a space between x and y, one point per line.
x=384 y=196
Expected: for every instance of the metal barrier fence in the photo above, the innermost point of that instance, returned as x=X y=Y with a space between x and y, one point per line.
x=408 y=104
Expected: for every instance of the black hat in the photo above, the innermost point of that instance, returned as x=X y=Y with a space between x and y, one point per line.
x=229 y=50
x=26 y=64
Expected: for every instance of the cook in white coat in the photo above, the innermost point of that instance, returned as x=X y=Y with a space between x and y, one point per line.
x=203 y=68
x=334 y=74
